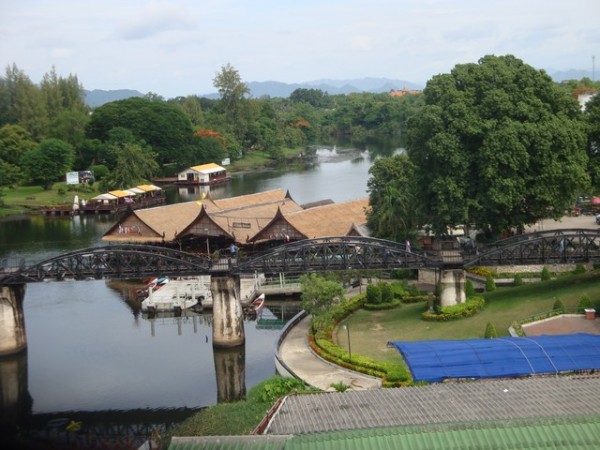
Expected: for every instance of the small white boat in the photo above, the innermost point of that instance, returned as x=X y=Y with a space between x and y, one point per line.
x=256 y=306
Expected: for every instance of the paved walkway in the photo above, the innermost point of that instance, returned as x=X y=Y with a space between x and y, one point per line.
x=315 y=371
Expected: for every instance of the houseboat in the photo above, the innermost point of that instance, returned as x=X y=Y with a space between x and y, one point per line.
x=203 y=175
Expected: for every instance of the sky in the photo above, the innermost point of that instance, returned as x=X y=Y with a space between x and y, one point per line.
x=176 y=47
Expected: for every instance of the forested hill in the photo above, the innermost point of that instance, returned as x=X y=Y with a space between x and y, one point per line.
x=259 y=89
x=99 y=97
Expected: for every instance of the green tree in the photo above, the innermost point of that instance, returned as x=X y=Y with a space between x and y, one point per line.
x=374 y=295
x=545 y=275
x=135 y=165
x=490 y=331
x=490 y=284
x=48 y=162
x=232 y=91
x=558 y=305
x=314 y=97
x=518 y=280
x=592 y=119
x=497 y=144
x=394 y=212
x=161 y=125
x=319 y=294
x=469 y=289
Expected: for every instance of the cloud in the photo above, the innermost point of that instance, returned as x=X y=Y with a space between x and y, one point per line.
x=155 y=19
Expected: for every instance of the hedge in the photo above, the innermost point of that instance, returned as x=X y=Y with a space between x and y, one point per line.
x=320 y=340
x=471 y=307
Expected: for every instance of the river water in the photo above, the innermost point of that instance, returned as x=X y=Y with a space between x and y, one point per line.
x=91 y=351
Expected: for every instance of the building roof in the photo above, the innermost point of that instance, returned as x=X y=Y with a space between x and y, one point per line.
x=439 y=403
x=239 y=217
x=530 y=414
x=208 y=168
x=436 y=360
x=329 y=220
x=167 y=221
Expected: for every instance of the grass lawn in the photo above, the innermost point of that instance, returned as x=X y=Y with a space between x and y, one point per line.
x=370 y=331
x=27 y=198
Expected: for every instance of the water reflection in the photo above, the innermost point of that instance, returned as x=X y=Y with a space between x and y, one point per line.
x=230 y=371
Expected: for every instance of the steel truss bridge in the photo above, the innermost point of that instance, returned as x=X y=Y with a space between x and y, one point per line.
x=310 y=255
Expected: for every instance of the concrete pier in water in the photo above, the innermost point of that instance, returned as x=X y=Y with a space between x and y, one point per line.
x=13 y=338
x=228 y=316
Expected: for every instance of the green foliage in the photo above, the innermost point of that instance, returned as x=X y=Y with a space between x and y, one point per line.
x=162 y=126
x=374 y=296
x=394 y=207
x=517 y=137
x=321 y=342
x=585 y=302
x=100 y=171
x=545 y=275
x=319 y=294
x=558 y=305
x=340 y=386
x=49 y=161
x=579 y=269
x=490 y=284
x=387 y=293
x=518 y=280
x=269 y=390
x=394 y=303
x=490 y=331
x=135 y=165
x=481 y=271
x=467 y=309
x=469 y=289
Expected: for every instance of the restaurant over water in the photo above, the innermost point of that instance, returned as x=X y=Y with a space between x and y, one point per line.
x=252 y=222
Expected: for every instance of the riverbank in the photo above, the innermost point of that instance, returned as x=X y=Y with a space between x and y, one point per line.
x=30 y=199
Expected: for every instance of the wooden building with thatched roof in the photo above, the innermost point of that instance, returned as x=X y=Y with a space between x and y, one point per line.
x=337 y=219
x=265 y=218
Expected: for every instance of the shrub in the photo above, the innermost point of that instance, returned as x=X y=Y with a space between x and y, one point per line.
x=340 y=386
x=471 y=307
x=398 y=289
x=387 y=294
x=490 y=331
x=469 y=289
x=518 y=281
x=558 y=305
x=579 y=269
x=545 y=274
x=272 y=388
x=374 y=294
x=584 y=302
x=490 y=284
x=481 y=271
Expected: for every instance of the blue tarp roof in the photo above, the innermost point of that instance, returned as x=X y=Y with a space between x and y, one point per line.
x=500 y=357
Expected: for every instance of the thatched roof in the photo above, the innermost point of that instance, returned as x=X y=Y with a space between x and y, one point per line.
x=239 y=218
x=336 y=219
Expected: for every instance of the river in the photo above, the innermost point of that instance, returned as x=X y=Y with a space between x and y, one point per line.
x=91 y=351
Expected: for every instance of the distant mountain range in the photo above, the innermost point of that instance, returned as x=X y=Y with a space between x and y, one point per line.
x=260 y=89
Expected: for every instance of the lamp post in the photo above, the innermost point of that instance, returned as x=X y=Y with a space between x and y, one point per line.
x=347 y=328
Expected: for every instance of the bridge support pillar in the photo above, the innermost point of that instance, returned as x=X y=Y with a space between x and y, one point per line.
x=451 y=287
x=228 y=317
x=12 y=320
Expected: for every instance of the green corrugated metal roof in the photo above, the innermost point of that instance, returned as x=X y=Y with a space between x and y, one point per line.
x=581 y=434
x=534 y=434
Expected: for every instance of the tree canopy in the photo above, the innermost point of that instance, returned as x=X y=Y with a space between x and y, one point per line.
x=162 y=126
x=497 y=144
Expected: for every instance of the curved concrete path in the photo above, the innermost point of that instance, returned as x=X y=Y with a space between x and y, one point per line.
x=315 y=371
